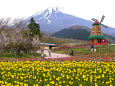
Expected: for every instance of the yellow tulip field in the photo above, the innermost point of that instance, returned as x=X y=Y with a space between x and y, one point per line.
x=56 y=73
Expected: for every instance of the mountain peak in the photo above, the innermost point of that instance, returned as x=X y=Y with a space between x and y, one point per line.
x=52 y=20
x=45 y=16
x=52 y=10
x=49 y=10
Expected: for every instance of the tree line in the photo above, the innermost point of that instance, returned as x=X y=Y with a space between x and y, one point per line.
x=19 y=37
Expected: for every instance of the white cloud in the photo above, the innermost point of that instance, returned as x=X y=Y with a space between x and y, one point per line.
x=82 y=8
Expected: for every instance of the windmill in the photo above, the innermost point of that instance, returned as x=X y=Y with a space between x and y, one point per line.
x=96 y=35
x=97 y=21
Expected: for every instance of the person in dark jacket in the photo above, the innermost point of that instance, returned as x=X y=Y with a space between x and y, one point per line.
x=50 y=47
x=71 y=53
x=92 y=48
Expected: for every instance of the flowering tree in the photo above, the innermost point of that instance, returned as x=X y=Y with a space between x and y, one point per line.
x=15 y=39
x=35 y=43
x=3 y=35
x=4 y=40
x=35 y=34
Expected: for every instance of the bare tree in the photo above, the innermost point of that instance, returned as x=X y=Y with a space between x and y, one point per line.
x=19 y=23
x=17 y=38
x=4 y=40
x=14 y=37
x=4 y=23
x=18 y=26
x=36 y=44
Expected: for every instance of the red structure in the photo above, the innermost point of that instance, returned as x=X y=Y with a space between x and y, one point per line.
x=103 y=41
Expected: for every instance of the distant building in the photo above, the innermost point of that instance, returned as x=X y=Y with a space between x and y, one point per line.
x=47 y=45
x=96 y=35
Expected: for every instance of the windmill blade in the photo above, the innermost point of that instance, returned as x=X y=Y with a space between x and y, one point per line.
x=104 y=26
x=94 y=19
x=102 y=19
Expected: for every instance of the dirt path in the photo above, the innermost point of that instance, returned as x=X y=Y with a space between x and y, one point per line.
x=54 y=55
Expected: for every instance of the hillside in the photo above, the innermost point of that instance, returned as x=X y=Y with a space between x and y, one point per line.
x=60 y=41
x=53 y=20
x=74 y=32
x=78 y=32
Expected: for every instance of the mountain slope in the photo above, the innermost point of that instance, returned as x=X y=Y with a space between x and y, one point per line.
x=78 y=32
x=74 y=32
x=53 y=20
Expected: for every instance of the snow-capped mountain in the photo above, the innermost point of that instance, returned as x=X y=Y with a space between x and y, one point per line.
x=45 y=16
x=53 y=20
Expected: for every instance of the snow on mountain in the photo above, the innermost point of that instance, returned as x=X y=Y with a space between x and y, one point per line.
x=44 y=16
x=53 y=20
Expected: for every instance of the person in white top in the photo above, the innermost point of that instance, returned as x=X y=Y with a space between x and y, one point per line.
x=42 y=53
x=49 y=53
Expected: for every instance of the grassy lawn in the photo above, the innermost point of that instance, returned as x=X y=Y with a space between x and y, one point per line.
x=101 y=50
x=77 y=51
x=21 y=55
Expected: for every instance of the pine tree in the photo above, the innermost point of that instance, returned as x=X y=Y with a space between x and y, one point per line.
x=34 y=28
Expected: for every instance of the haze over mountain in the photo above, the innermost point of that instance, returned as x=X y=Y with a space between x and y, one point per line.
x=74 y=32
x=53 y=20
x=78 y=32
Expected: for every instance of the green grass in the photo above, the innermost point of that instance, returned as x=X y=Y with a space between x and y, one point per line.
x=79 y=50
x=21 y=55
x=102 y=50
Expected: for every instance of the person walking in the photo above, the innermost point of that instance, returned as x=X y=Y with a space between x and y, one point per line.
x=92 y=48
x=49 y=53
x=71 y=52
x=95 y=50
x=50 y=47
x=42 y=53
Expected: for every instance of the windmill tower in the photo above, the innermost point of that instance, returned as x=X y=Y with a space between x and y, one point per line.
x=96 y=35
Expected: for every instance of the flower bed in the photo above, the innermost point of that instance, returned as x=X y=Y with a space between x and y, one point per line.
x=73 y=58
x=55 y=73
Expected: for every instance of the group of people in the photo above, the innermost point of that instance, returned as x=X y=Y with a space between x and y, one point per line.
x=93 y=49
x=71 y=51
x=42 y=52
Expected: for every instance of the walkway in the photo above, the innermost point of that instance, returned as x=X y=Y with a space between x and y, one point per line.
x=54 y=55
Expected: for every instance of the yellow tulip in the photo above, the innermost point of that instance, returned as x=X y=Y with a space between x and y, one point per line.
x=52 y=82
x=48 y=85
x=80 y=85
